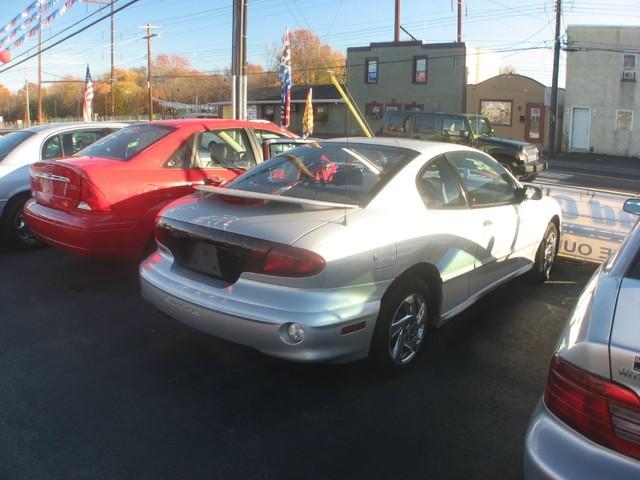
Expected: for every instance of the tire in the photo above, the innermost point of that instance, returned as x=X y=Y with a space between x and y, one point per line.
x=14 y=230
x=395 y=346
x=546 y=254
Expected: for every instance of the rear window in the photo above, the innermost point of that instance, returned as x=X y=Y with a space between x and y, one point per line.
x=329 y=172
x=127 y=142
x=11 y=140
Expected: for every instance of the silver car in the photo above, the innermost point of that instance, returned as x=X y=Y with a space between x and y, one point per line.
x=588 y=424
x=21 y=148
x=349 y=248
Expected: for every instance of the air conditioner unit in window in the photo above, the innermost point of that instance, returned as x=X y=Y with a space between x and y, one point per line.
x=628 y=75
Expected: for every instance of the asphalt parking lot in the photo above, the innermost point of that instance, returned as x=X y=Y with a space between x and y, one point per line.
x=96 y=384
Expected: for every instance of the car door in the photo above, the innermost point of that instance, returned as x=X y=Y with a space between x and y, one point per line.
x=454 y=232
x=220 y=155
x=491 y=193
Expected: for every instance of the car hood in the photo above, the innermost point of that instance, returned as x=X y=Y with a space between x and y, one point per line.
x=505 y=142
x=268 y=220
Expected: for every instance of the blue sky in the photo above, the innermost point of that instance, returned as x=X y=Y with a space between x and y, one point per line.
x=201 y=30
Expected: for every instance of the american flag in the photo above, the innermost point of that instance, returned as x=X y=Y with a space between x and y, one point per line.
x=284 y=74
x=87 y=105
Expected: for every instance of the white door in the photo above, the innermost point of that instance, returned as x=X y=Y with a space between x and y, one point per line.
x=580 y=126
x=491 y=193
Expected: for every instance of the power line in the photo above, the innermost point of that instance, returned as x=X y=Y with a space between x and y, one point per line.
x=64 y=39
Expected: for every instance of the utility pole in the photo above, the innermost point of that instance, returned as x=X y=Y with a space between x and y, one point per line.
x=459 y=21
x=40 y=63
x=148 y=37
x=26 y=92
x=239 y=60
x=554 y=81
x=112 y=78
x=396 y=26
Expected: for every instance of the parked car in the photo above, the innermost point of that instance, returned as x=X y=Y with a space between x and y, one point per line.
x=587 y=425
x=104 y=202
x=21 y=148
x=520 y=158
x=342 y=249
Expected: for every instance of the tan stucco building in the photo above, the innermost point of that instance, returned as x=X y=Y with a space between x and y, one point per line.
x=516 y=105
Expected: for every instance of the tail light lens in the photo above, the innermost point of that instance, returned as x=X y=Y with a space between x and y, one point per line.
x=286 y=261
x=91 y=198
x=604 y=412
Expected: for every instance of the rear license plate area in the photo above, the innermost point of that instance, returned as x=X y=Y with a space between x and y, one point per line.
x=203 y=257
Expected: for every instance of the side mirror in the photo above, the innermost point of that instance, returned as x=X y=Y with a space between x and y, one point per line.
x=632 y=206
x=528 y=192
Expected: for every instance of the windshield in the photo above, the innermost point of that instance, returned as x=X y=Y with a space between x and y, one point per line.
x=481 y=126
x=11 y=140
x=125 y=143
x=330 y=172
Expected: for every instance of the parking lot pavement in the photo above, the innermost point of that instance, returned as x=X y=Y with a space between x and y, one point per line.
x=96 y=384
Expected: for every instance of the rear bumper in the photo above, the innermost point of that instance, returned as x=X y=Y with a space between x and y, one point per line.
x=256 y=314
x=553 y=450
x=530 y=168
x=88 y=235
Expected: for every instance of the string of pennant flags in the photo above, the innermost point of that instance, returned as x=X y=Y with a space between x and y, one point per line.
x=28 y=23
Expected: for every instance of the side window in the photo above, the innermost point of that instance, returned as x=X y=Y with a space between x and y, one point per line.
x=73 y=142
x=424 y=124
x=267 y=135
x=224 y=149
x=181 y=158
x=52 y=148
x=486 y=181
x=454 y=125
x=397 y=122
x=438 y=185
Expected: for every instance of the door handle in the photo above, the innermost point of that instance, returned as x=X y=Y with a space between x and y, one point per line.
x=487 y=223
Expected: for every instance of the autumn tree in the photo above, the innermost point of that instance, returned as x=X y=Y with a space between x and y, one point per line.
x=311 y=59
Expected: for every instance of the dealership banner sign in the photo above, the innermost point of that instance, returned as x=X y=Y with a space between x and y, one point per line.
x=593 y=222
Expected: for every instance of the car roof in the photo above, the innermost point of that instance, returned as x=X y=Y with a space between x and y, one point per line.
x=51 y=127
x=216 y=123
x=420 y=146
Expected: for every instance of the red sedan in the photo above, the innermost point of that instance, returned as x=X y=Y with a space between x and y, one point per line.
x=104 y=203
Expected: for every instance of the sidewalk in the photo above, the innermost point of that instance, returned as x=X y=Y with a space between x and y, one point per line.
x=593 y=162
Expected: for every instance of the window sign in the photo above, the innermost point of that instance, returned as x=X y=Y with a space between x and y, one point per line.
x=497 y=111
x=371 y=70
x=420 y=69
x=624 y=119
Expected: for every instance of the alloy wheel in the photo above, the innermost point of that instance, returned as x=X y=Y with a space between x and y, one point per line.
x=407 y=329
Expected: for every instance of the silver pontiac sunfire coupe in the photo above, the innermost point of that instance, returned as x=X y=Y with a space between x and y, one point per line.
x=343 y=249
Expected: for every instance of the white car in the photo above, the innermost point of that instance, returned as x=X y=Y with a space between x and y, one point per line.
x=348 y=248
x=21 y=148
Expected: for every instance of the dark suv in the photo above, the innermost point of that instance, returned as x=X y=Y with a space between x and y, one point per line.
x=521 y=158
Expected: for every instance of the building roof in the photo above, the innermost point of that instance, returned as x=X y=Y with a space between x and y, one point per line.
x=412 y=43
x=321 y=94
x=508 y=75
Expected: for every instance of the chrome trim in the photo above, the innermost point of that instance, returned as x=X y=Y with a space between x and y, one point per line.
x=50 y=176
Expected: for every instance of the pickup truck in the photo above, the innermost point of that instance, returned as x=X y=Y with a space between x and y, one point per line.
x=520 y=158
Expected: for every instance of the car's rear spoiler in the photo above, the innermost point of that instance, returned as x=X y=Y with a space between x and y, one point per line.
x=230 y=192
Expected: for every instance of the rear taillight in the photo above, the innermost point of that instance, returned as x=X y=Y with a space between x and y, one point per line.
x=286 y=261
x=604 y=412
x=91 y=198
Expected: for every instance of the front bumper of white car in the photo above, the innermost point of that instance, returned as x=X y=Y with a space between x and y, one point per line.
x=259 y=314
x=553 y=450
